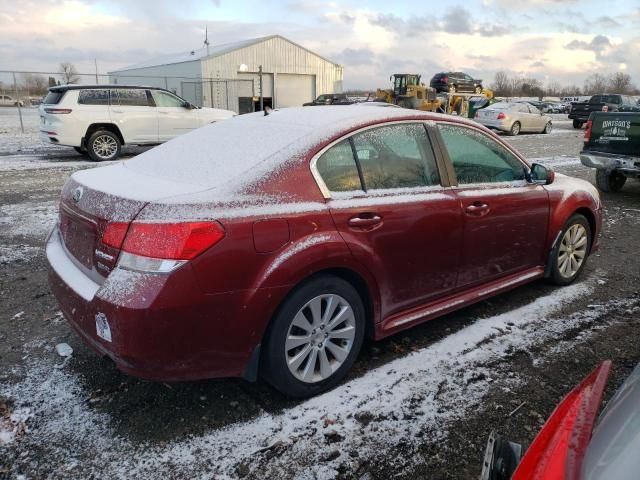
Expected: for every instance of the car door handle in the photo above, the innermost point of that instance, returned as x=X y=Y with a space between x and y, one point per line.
x=477 y=209
x=365 y=221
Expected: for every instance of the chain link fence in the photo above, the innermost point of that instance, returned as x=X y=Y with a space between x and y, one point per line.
x=22 y=91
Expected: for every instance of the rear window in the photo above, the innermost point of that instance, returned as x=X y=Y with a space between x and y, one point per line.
x=53 y=98
x=500 y=106
x=98 y=96
x=605 y=99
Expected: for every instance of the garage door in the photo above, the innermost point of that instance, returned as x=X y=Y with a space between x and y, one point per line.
x=294 y=90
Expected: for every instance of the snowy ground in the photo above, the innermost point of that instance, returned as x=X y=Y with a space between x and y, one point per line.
x=418 y=405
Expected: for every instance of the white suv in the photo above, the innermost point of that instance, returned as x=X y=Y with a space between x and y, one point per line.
x=99 y=119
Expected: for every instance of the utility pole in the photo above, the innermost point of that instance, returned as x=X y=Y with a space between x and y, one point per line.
x=95 y=62
x=261 y=96
x=15 y=87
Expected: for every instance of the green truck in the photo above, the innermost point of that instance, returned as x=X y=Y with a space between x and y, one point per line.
x=612 y=147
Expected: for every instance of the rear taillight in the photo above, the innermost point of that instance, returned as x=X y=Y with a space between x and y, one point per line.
x=501 y=116
x=58 y=110
x=558 y=450
x=587 y=131
x=114 y=234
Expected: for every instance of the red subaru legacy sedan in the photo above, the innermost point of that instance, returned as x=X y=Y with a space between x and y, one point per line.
x=273 y=244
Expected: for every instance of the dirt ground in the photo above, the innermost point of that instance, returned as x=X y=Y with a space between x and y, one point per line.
x=81 y=418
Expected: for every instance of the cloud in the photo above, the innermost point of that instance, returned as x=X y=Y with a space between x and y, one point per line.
x=597 y=44
x=356 y=56
x=457 y=20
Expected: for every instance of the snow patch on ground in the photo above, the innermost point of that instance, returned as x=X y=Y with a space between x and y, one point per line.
x=17 y=253
x=407 y=396
x=30 y=219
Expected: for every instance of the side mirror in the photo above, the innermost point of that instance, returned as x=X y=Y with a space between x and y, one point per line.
x=188 y=106
x=541 y=175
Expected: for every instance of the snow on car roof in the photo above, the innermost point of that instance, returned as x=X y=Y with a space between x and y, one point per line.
x=233 y=153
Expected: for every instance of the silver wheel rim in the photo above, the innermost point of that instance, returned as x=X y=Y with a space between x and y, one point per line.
x=516 y=128
x=548 y=128
x=572 y=251
x=320 y=338
x=105 y=146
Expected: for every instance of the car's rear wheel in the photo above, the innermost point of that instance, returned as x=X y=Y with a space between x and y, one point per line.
x=314 y=338
x=478 y=89
x=547 y=128
x=515 y=129
x=569 y=256
x=610 y=181
x=103 y=145
x=577 y=124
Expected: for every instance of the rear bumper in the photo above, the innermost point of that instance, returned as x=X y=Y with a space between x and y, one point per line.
x=57 y=137
x=162 y=327
x=610 y=162
x=495 y=124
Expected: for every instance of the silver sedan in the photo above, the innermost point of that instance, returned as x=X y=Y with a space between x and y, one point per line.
x=514 y=118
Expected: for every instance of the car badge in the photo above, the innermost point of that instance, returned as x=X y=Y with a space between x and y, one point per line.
x=77 y=194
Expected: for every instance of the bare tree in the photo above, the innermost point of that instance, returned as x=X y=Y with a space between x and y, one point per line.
x=620 y=82
x=553 y=88
x=501 y=84
x=33 y=84
x=69 y=73
x=595 y=83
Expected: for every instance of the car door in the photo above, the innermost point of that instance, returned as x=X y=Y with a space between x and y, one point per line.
x=392 y=211
x=505 y=217
x=132 y=110
x=174 y=118
x=538 y=120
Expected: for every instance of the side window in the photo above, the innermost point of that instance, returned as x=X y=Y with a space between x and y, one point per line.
x=93 y=97
x=337 y=167
x=134 y=97
x=533 y=109
x=523 y=108
x=163 y=99
x=476 y=158
x=396 y=156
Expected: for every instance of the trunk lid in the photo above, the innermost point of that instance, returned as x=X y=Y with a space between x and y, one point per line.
x=92 y=199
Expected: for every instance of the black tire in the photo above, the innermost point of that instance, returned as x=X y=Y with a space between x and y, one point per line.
x=80 y=150
x=452 y=89
x=555 y=275
x=274 y=357
x=478 y=89
x=515 y=129
x=610 y=181
x=577 y=124
x=547 y=128
x=96 y=146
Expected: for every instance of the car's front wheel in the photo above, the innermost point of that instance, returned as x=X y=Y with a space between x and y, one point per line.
x=103 y=145
x=547 y=128
x=314 y=338
x=610 y=181
x=569 y=256
x=577 y=124
x=515 y=129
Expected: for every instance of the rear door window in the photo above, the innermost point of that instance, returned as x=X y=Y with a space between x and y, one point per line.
x=98 y=96
x=131 y=97
x=396 y=156
x=476 y=158
x=338 y=169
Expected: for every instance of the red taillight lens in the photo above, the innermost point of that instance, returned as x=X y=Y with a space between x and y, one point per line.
x=587 y=131
x=172 y=241
x=558 y=450
x=501 y=115
x=114 y=234
x=58 y=110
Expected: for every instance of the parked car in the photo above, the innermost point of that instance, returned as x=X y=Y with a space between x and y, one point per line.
x=455 y=82
x=514 y=118
x=568 y=446
x=580 y=111
x=274 y=244
x=100 y=119
x=330 y=99
x=612 y=147
x=8 y=100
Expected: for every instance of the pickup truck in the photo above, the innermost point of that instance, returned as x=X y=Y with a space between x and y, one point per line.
x=612 y=147
x=606 y=102
x=330 y=99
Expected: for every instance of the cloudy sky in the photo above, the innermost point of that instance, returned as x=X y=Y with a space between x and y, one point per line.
x=563 y=40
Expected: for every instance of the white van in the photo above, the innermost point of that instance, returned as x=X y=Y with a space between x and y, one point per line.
x=99 y=119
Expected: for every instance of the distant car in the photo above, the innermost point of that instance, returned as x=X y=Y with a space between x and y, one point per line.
x=274 y=244
x=605 y=102
x=568 y=446
x=514 y=118
x=455 y=82
x=330 y=99
x=8 y=100
x=99 y=119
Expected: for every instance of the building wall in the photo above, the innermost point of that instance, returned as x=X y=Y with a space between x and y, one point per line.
x=276 y=55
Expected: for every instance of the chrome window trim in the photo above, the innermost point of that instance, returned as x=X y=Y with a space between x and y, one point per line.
x=326 y=193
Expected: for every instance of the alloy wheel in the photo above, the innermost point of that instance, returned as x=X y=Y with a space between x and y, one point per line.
x=320 y=337
x=105 y=147
x=572 y=251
